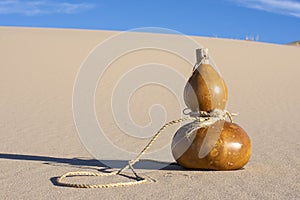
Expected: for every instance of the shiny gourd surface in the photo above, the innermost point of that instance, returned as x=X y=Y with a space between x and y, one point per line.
x=205 y=90
x=220 y=146
x=228 y=147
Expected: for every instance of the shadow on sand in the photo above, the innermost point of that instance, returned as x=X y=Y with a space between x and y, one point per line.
x=91 y=163
x=94 y=164
x=82 y=162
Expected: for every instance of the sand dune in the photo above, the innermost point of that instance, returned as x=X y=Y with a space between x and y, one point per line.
x=39 y=140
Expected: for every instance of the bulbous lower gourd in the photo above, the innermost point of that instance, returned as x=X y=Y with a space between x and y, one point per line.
x=222 y=146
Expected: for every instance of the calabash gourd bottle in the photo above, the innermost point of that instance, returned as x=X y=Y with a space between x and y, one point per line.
x=220 y=146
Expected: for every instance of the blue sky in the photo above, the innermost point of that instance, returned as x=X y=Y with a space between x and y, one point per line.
x=273 y=21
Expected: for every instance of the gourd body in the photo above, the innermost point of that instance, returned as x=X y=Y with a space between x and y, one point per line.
x=221 y=146
x=205 y=90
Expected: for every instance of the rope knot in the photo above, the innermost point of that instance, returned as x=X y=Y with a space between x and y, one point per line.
x=209 y=117
x=217 y=113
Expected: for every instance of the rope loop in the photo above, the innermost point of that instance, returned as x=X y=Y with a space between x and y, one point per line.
x=200 y=118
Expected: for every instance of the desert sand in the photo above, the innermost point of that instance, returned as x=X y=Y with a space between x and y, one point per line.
x=39 y=139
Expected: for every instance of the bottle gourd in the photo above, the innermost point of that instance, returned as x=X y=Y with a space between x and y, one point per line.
x=220 y=146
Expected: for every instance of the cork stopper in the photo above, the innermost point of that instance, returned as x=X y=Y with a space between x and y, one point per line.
x=202 y=55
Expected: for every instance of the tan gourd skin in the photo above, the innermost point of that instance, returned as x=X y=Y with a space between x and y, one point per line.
x=205 y=90
x=231 y=151
x=227 y=146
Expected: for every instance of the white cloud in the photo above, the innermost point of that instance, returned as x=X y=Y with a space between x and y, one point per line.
x=41 y=7
x=284 y=7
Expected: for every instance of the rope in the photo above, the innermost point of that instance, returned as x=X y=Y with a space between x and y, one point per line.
x=78 y=185
x=201 y=118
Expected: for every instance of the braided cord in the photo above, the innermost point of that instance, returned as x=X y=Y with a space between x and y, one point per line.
x=202 y=118
x=139 y=180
